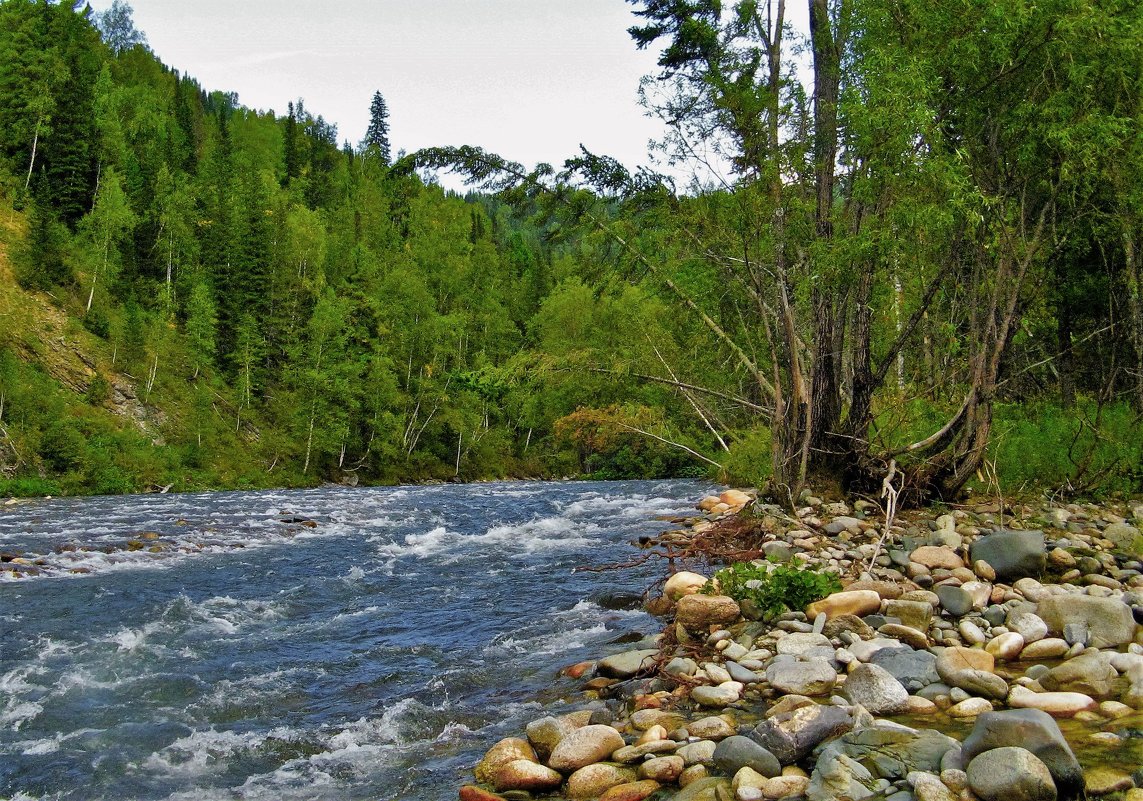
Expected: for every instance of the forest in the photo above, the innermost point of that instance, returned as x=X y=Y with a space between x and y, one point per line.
x=920 y=265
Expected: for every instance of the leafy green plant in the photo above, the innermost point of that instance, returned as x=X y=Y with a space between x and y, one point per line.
x=773 y=588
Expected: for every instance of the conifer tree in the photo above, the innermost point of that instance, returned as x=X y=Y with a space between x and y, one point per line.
x=377 y=136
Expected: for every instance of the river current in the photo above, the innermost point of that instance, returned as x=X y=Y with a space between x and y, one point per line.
x=244 y=652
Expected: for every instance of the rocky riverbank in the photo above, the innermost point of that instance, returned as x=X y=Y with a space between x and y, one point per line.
x=985 y=652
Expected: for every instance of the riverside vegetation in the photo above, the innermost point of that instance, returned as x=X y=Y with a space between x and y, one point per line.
x=990 y=653
x=922 y=259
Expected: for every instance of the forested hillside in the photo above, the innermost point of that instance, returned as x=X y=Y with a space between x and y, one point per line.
x=199 y=295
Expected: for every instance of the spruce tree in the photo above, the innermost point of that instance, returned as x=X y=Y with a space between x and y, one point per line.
x=377 y=137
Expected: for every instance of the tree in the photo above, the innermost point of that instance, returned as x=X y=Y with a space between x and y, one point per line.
x=117 y=25
x=377 y=135
x=108 y=225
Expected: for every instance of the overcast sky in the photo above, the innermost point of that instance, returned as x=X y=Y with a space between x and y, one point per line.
x=528 y=79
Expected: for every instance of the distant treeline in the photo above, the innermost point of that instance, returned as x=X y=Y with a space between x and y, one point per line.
x=210 y=296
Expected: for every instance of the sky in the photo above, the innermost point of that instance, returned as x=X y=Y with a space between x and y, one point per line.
x=528 y=79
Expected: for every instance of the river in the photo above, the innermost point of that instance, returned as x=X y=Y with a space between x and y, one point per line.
x=235 y=650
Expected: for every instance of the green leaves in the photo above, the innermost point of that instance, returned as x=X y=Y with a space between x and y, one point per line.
x=773 y=588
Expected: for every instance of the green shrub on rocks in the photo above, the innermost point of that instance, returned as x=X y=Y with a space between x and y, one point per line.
x=773 y=588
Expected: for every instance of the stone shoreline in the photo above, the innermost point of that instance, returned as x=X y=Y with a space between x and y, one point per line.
x=970 y=655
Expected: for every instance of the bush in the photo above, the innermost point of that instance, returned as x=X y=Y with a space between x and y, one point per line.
x=748 y=463
x=1078 y=450
x=773 y=588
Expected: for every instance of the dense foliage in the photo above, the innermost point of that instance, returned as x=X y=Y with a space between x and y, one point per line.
x=197 y=294
x=769 y=588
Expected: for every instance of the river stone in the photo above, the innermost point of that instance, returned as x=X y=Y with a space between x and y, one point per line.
x=936 y=556
x=683 y=583
x=914 y=614
x=716 y=672
x=971 y=670
x=791 y=786
x=798 y=643
x=792 y=734
x=1124 y=537
x=723 y=695
x=927 y=787
x=664 y=769
x=1005 y=647
x=698 y=613
x=471 y=792
x=1089 y=673
x=854 y=762
x=629 y=663
x=1010 y=774
x=957 y=601
x=747 y=784
x=876 y=689
x=969 y=708
x=546 y=732
x=1047 y=648
x=1035 y=730
x=1058 y=704
x=712 y=727
x=852 y=602
x=591 y=781
x=585 y=746
x=914 y=638
x=865 y=649
x=643 y=719
x=710 y=788
x=802 y=678
x=523 y=774
x=738 y=752
x=1108 y=620
x=914 y=669
x=507 y=750
x=842 y=624
x=1105 y=780
x=741 y=674
x=1028 y=625
x=632 y=791
x=629 y=754
x=839 y=776
x=681 y=666
x=700 y=753
x=1011 y=554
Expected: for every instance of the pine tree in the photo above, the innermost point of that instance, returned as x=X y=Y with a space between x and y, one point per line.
x=377 y=137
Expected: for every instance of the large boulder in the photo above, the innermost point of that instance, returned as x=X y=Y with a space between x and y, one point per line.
x=737 y=752
x=1108 y=621
x=876 y=689
x=1010 y=774
x=791 y=735
x=851 y=764
x=1036 y=731
x=699 y=612
x=1089 y=673
x=1012 y=554
x=585 y=746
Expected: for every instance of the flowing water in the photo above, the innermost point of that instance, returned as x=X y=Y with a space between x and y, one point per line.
x=222 y=646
